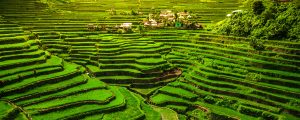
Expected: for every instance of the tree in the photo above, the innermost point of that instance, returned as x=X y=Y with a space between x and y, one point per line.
x=276 y=22
x=134 y=12
x=176 y=16
x=258 y=7
x=257 y=44
x=1 y=18
x=140 y=29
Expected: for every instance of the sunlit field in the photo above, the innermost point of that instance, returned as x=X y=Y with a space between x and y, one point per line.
x=149 y=60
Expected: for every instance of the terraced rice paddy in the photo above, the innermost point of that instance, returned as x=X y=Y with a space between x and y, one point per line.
x=53 y=67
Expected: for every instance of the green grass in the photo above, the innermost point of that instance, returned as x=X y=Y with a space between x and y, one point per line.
x=5 y=107
x=21 y=116
x=99 y=96
x=197 y=114
x=46 y=88
x=85 y=109
x=164 y=99
x=132 y=110
x=94 y=117
x=225 y=111
x=69 y=69
x=150 y=113
x=178 y=108
x=178 y=92
x=91 y=84
x=10 y=111
x=150 y=60
x=145 y=91
x=166 y=113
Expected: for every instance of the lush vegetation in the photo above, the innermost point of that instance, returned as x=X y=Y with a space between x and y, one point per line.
x=264 y=20
x=95 y=59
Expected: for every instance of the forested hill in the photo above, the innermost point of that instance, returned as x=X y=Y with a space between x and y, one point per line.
x=265 y=20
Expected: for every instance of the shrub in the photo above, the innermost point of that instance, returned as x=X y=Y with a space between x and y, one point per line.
x=62 y=36
x=140 y=28
x=258 y=7
x=1 y=18
x=121 y=31
x=33 y=36
x=226 y=103
x=102 y=27
x=297 y=2
x=11 y=115
x=210 y=99
x=293 y=33
x=253 y=77
x=250 y=111
x=294 y=102
x=134 y=12
x=269 y=116
x=257 y=44
x=112 y=11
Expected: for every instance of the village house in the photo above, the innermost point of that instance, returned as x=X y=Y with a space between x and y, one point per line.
x=126 y=25
x=92 y=27
x=184 y=15
x=150 y=22
x=167 y=15
x=234 y=12
x=167 y=18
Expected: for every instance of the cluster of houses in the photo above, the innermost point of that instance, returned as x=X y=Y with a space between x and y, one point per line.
x=123 y=28
x=168 y=18
x=165 y=18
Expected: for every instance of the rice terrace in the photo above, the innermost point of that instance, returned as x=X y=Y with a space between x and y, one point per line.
x=149 y=59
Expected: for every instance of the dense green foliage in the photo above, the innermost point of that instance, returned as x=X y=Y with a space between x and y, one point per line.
x=258 y=7
x=277 y=21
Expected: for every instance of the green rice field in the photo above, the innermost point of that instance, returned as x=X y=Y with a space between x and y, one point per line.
x=53 y=67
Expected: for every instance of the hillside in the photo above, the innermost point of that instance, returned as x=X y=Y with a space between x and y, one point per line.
x=264 y=20
x=64 y=59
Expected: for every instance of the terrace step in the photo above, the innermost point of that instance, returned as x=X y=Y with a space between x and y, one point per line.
x=96 y=96
x=180 y=93
x=45 y=90
x=17 y=46
x=163 y=99
x=88 y=109
x=11 y=40
x=34 y=54
x=52 y=62
x=21 y=62
x=8 y=111
x=23 y=86
x=62 y=89
x=21 y=51
x=135 y=110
